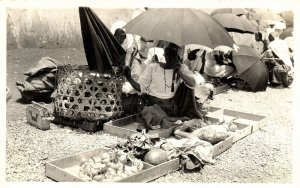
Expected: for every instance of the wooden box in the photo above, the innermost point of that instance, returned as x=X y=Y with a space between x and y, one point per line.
x=126 y=126
x=246 y=123
x=67 y=169
x=36 y=115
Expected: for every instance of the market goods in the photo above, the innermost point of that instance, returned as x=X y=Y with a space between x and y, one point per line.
x=212 y=133
x=109 y=167
x=229 y=126
x=156 y=156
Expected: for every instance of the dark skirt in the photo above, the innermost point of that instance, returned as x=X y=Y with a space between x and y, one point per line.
x=183 y=104
x=278 y=75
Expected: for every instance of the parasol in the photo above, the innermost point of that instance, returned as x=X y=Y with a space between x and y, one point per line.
x=250 y=68
x=181 y=27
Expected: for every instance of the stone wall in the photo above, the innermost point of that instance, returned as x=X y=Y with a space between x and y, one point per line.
x=53 y=28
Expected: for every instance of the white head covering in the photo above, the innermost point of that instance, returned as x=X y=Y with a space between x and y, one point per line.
x=127 y=43
x=116 y=25
x=155 y=51
x=279 y=25
x=281 y=49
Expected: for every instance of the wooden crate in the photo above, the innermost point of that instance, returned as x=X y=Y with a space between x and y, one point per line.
x=67 y=169
x=222 y=146
x=246 y=123
x=126 y=126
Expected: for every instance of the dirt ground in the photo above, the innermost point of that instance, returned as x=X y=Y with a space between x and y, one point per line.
x=262 y=157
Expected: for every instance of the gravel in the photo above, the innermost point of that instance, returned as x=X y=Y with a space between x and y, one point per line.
x=262 y=157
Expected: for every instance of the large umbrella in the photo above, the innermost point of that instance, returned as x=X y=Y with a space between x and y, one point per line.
x=180 y=26
x=235 y=11
x=250 y=68
x=102 y=49
x=233 y=23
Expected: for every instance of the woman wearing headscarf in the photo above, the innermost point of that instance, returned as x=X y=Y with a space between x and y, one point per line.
x=168 y=84
x=280 y=66
x=219 y=65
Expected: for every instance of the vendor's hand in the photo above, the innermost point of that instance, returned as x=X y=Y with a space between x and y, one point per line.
x=176 y=67
x=127 y=71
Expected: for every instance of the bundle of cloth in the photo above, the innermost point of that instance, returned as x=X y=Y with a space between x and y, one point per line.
x=39 y=82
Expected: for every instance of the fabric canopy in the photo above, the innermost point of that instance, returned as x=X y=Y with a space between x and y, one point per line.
x=102 y=49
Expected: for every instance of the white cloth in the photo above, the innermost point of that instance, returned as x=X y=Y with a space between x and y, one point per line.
x=159 y=52
x=157 y=81
x=290 y=42
x=195 y=65
x=116 y=25
x=128 y=42
x=199 y=78
x=279 y=25
x=212 y=68
x=127 y=88
x=281 y=49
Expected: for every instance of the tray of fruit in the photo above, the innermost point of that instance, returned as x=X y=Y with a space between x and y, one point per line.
x=135 y=160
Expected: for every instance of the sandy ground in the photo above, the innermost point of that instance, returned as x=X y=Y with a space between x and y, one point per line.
x=262 y=157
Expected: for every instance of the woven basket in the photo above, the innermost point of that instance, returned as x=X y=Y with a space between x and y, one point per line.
x=86 y=95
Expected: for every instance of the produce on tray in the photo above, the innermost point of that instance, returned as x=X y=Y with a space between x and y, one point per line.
x=156 y=156
x=213 y=133
x=193 y=145
x=109 y=166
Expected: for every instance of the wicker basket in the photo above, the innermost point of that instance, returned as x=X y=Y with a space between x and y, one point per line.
x=86 y=95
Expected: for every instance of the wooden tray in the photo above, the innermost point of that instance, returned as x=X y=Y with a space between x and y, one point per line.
x=246 y=123
x=126 y=126
x=67 y=169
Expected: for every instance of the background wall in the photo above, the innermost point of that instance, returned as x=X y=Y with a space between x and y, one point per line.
x=60 y=28
x=53 y=28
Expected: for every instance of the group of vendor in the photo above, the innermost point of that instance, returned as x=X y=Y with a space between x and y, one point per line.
x=169 y=74
x=162 y=77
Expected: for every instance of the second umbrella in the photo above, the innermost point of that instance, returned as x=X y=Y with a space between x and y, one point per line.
x=182 y=27
x=250 y=68
x=233 y=23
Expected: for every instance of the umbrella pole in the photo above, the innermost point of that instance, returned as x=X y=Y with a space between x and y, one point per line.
x=183 y=51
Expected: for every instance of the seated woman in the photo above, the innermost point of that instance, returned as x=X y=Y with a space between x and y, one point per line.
x=136 y=59
x=196 y=60
x=278 y=61
x=217 y=66
x=169 y=85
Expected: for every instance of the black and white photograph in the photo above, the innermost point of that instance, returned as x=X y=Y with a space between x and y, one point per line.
x=140 y=92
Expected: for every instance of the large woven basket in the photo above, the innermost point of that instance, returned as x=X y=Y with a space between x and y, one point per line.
x=86 y=95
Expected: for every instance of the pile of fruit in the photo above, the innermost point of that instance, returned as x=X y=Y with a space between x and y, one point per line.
x=109 y=167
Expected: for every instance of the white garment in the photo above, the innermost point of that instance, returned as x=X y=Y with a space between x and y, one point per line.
x=281 y=49
x=199 y=78
x=159 y=52
x=116 y=25
x=194 y=65
x=128 y=42
x=279 y=25
x=212 y=68
x=157 y=81
x=127 y=88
